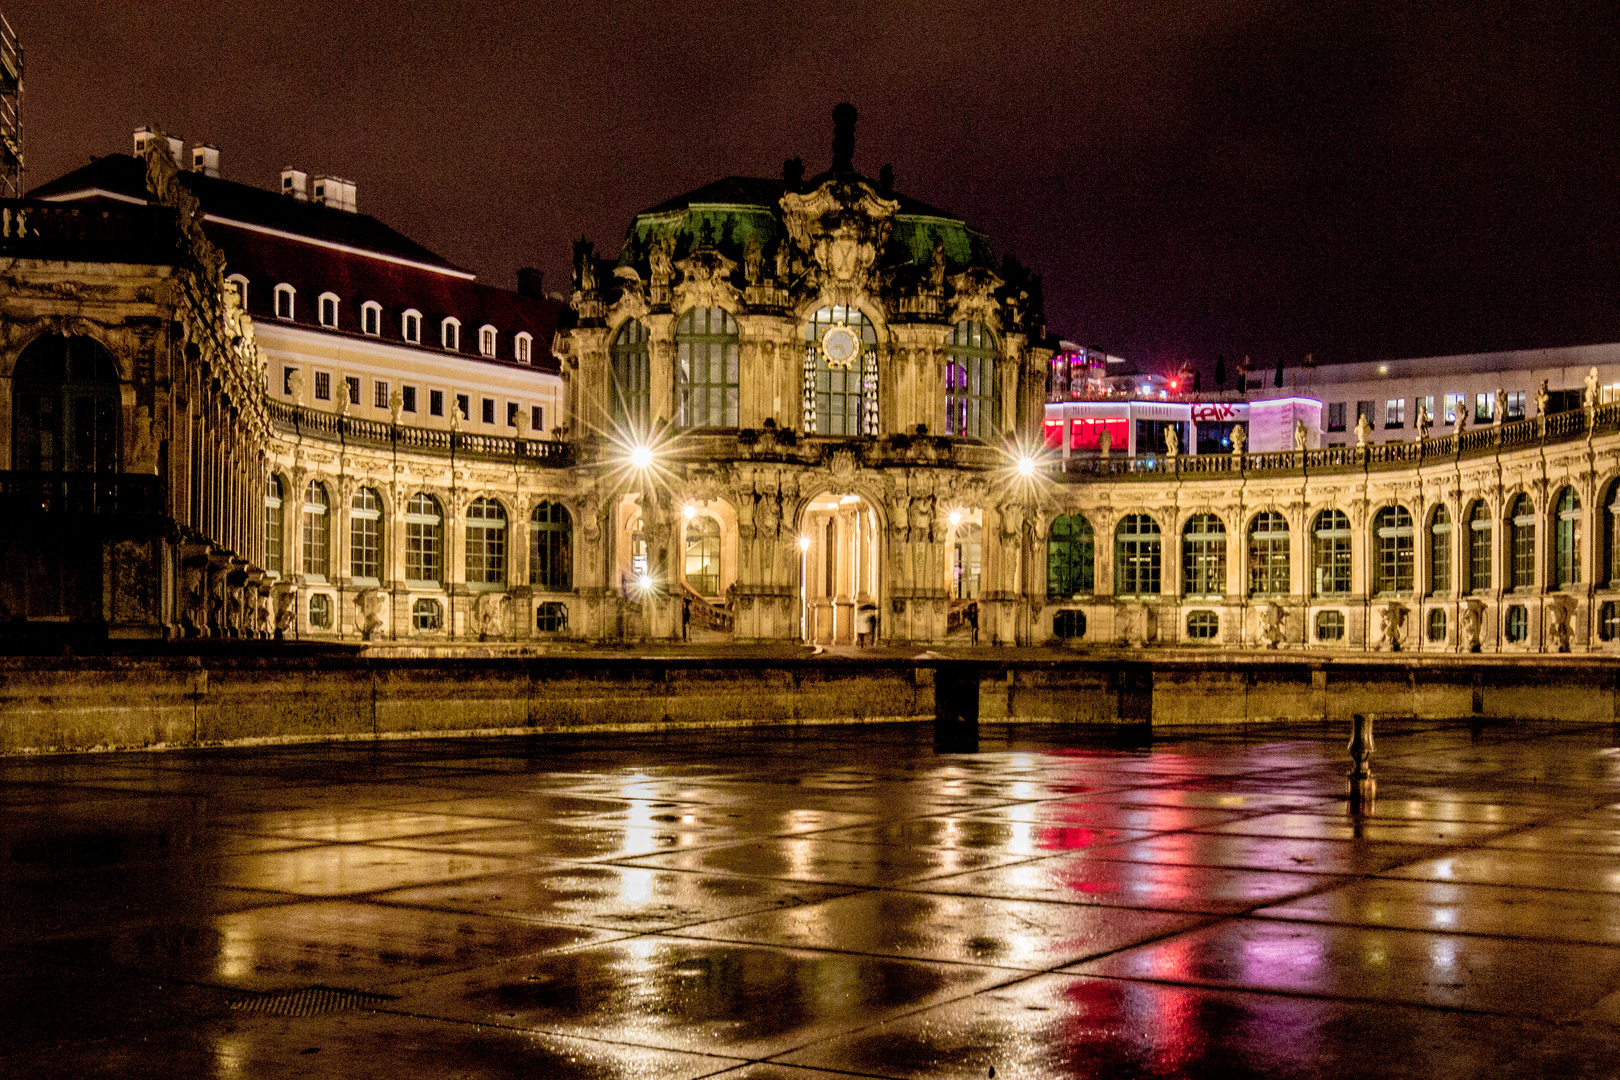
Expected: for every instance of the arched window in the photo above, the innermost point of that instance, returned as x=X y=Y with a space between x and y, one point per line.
x=273 y=522
x=365 y=535
x=424 y=541
x=317 y=532
x=523 y=347
x=1203 y=556
x=1137 y=553
x=1268 y=555
x=1567 y=540
x=1439 y=553
x=967 y=559
x=632 y=377
x=66 y=407
x=239 y=283
x=1071 y=562
x=551 y=548
x=371 y=318
x=840 y=373
x=1479 y=546
x=427 y=615
x=286 y=297
x=328 y=309
x=486 y=543
x=1393 y=561
x=1611 y=548
x=706 y=376
x=970 y=381
x=1522 y=537
x=1330 y=552
x=410 y=326
x=486 y=340
x=703 y=555
x=450 y=334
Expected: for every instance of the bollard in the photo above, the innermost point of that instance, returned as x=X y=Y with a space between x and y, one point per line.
x=1361 y=784
x=956 y=708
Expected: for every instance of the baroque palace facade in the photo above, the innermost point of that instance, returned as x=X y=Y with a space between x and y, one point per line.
x=788 y=410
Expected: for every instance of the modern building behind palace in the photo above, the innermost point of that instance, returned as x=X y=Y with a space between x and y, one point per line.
x=786 y=408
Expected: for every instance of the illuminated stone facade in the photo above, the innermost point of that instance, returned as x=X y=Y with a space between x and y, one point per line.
x=787 y=410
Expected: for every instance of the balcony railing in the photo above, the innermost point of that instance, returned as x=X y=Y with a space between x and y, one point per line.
x=25 y=494
x=87 y=232
x=327 y=425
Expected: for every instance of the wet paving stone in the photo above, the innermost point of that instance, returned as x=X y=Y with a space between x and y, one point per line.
x=807 y=904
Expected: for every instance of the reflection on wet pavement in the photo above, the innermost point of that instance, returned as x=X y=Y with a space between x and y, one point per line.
x=803 y=904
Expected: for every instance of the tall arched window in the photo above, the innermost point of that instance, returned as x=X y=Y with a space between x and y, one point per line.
x=551 y=548
x=424 y=541
x=703 y=555
x=1137 y=554
x=65 y=407
x=1439 y=553
x=486 y=543
x=1610 y=562
x=273 y=524
x=1479 y=546
x=317 y=532
x=1567 y=540
x=967 y=560
x=970 y=381
x=1268 y=555
x=1330 y=552
x=632 y=377
x=1522 y=538
x=840 y=373
x=365 y=536
x=706 y=375
x=1071 y=561
x=1393 y=556
x=1203 y=556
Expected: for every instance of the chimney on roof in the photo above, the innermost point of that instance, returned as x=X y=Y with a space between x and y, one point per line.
x=531 y=281
x=143 y=140
x=205 y=159
x=295 y=182
x=333 y=191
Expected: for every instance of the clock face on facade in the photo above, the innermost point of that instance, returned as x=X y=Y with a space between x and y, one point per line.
x=840 y=346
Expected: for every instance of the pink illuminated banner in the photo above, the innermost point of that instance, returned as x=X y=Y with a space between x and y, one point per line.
x=1215 y=412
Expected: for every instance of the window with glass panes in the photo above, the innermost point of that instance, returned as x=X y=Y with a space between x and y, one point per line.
x=1268 y=555
x=1567 y=540
x=1137 y=554
x=365 y=535
x=837 y=396
x=703 y=555
x=1393 y=562
x=551 y=547
x=1611 y=535
x=970 y=381
x=706 y=345
x=1203 y=556
x=424 y=540
x=967 y=558
x=632 y=376
x=1330 y=553
x=1522 y=538
x=317 y=537
x=273 y=525
x=1439 y=552
x=1071 y=564
x=1479 y=547
x=486 y=543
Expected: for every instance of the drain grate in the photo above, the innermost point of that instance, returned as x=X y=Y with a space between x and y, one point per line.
x=308 y=1001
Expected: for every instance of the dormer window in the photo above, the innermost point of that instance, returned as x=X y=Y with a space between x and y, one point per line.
x=329 y=309
x=486 y=340
x=410 y=326
x=285 y=295
x=521 y=345
x=238 y=283
x=450 y=334
x=371 y=318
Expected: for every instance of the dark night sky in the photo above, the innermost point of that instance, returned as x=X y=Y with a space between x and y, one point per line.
x=1355 y=179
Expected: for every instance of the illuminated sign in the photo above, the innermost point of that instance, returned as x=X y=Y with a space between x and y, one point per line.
x=1216 y=412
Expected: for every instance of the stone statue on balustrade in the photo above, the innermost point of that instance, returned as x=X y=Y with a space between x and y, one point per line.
x=1499 y=408
x=1105 y=443
x=1363 y=432
x=1172 y=442
x=1239 y=439
x=1423 y=422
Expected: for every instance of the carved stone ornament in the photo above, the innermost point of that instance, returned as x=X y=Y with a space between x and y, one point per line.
x=706 y=281
x=1392 y=619
x=1560 y=611
x=843 y=224
x=489 y=615
x=368 y=606
x=844 y=464
x=1272 y=617
x=975 y=296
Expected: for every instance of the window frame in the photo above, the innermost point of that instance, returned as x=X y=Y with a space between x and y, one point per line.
x=1394 y=551
x=485 y=561
x=366 y=536
x=1071 y=559
x=1138 y=556
x=1333 y=550
x=1481 y=547
x=275 y=524
x=424 y=540
x=450 y=334
x=1566 y=522
x=708 y=403
x=972 y=384
x=316 y=520
x=488 y=340
x=523 y=347
x=1272 y=565
x=705 y=543
x=551 y=547
x=328 y=303
x=410 y=326
x=1521 y=525
x=371 y=319
x=283 y=289
x=1439 y=535
x=1203 y=557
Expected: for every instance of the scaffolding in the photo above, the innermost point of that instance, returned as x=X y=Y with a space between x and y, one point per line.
x=11 y=130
